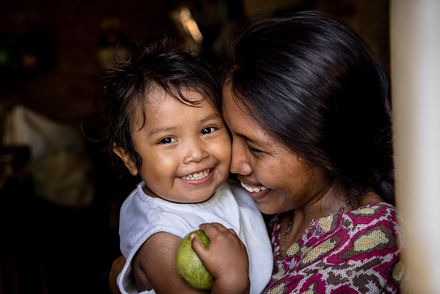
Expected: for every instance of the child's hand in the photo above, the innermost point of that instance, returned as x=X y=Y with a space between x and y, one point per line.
x=225 y=258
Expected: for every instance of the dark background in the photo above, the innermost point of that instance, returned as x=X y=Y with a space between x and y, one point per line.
x=49 y=56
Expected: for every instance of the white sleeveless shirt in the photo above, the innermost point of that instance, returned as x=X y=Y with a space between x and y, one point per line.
x=141 y=216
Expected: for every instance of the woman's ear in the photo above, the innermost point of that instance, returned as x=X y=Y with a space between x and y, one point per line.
x=126 y=158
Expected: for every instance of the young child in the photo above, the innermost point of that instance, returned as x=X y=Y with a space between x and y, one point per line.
x=163 y=112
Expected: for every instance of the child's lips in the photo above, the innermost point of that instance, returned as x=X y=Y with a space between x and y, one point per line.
x=197 y=175
x=202 y=177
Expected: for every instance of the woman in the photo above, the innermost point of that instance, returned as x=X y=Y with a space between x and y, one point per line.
x=308 y=110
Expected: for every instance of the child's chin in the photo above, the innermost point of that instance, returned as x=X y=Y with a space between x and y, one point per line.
x=204 y=198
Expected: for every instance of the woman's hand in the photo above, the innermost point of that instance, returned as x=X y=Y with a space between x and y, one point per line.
x=225 y=258
x=117 y=266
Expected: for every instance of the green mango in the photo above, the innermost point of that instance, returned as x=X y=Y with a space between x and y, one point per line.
x=189 y=265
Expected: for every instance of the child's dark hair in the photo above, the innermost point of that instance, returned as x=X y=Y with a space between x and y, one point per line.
x=159 y=63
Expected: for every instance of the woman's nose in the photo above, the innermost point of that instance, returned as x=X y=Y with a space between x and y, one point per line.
x=195 y=151
x=239 y=162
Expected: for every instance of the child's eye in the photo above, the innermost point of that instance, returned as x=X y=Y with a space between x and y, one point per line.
x=208 y=130
x=167 y=140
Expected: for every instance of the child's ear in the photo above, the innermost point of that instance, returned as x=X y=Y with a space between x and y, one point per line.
x=126 y=158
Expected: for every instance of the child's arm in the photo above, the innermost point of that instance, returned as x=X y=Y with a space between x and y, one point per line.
x=155 y=266
x=225 y=258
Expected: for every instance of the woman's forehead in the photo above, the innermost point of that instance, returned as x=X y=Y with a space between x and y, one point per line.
x=232 y=108
x=239 y=119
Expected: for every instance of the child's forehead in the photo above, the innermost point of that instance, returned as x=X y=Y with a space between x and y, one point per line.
x=156 y=96
x=157 y=100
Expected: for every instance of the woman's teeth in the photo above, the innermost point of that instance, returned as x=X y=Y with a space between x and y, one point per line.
x=196 y=176
x=253 y=189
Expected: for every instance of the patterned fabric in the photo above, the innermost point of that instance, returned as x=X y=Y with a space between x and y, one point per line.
x=348 y=252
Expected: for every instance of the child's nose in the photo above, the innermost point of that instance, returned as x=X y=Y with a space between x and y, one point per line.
x=195 y=152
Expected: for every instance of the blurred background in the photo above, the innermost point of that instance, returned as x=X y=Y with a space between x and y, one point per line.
x=59 y=194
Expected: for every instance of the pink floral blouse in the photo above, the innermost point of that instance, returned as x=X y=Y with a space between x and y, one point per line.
x=348 y=252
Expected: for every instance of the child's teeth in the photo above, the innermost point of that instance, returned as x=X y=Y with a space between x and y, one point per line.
x=197 y=176
x=253 y=189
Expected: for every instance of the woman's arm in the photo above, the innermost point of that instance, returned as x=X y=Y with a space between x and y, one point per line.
x=117 y=266
x=225 y=258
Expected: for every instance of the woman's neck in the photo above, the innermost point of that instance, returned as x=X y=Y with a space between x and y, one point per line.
x=331 y=202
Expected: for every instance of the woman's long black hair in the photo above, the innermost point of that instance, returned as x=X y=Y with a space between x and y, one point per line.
x=313 y=84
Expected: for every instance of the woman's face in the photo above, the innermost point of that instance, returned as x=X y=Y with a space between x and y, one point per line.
x=277 y=179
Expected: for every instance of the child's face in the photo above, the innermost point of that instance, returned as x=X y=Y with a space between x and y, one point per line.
x=185 y=150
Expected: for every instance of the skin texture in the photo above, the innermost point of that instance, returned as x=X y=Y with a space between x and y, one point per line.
x=177 y=143
x=283 y=181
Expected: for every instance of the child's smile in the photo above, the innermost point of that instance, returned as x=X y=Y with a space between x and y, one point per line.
x=197 y=176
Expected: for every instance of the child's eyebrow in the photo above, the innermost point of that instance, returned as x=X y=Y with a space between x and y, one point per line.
x=210 y=117
x=160 y=130
x=168 y=129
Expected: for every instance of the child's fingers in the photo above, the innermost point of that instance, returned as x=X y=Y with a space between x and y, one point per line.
x=198 y=247
x=211 y=229
x=225 y=257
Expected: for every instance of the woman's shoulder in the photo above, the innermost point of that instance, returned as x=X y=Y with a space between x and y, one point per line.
x=374 y=214
x=374 y=222
x=362 y=241
x=370 y=228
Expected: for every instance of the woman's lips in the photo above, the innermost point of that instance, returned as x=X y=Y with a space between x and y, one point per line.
x=257 y=192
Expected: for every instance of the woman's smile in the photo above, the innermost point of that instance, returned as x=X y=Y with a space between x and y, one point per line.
x=257 y=192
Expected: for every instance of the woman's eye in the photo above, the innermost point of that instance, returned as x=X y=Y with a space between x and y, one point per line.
x=255 y=151
x=208 y=130
x=167 y=140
